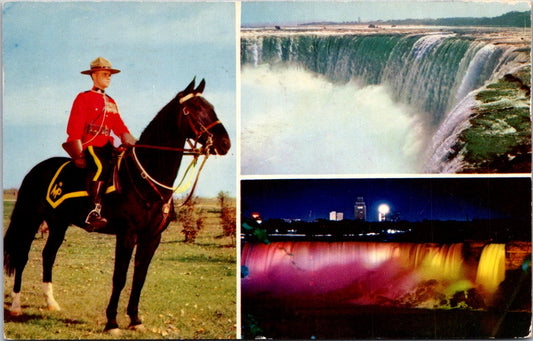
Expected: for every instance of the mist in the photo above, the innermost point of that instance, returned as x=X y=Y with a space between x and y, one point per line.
x=297 y=122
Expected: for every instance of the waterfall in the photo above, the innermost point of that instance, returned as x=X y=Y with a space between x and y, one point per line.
x=425 y=71
x=368 y=272
x=433 y=75
x=442 y=154
x=480 y=68
x=491 y=268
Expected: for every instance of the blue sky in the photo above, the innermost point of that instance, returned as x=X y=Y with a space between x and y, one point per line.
x=159 y=46
x=294 y=12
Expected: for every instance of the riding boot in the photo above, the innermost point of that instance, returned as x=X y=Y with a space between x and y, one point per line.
x=94 y=220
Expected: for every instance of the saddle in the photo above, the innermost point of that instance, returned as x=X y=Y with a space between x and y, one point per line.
x=70 y=182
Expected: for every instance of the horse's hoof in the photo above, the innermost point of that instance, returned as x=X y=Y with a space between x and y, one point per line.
x=53 y=306
x=16 y=312
x=138 y=328
x=115 y=332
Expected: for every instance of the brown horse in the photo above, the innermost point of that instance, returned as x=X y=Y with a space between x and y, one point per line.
x=137 y=212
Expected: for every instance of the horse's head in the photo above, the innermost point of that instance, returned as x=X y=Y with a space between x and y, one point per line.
x=204 y=125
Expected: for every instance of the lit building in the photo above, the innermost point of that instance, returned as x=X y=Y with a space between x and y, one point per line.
x=360 y=209
x=336 y=216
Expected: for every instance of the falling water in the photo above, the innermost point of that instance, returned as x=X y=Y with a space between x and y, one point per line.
x=428 y=77
x=367 y=273
x=491 y=268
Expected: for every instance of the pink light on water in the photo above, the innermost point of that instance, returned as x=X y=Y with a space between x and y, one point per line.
x=362 y=272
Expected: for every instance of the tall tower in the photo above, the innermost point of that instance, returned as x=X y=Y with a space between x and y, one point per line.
x=360 y=209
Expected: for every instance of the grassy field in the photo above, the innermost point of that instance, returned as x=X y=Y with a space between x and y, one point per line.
x=190 y=291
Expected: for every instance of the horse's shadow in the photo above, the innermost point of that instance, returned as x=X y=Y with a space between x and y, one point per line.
x=26 y=317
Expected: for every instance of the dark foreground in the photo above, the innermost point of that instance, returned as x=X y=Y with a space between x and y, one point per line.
x=279 y=321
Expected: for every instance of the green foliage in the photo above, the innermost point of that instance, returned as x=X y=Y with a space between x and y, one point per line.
x=251 y=328
x=189 y=293
x=511 y=19
x=499 y=138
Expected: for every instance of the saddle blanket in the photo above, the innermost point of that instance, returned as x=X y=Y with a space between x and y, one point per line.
x=69 y=182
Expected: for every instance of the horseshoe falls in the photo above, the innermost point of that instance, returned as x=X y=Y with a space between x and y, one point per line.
x=327 y=102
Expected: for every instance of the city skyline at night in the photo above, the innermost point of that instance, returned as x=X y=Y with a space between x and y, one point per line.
x=415 y=199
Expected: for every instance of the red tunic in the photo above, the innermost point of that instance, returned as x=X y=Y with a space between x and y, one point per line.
x=91 y=123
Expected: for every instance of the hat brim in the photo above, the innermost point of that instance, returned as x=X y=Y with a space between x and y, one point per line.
x=88 y=72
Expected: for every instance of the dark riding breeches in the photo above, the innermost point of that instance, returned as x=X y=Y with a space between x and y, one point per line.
x=99 y=162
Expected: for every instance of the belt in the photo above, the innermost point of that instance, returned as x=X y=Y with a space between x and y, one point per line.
x=93 y=129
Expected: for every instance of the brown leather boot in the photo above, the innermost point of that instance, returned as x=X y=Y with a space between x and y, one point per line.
x=94 y=220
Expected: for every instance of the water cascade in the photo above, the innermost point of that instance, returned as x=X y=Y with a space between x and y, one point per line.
x=429 y=73
x=491 y=268
x=369 y=273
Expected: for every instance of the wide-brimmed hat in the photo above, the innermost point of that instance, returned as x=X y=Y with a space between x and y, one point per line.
x=100 y=64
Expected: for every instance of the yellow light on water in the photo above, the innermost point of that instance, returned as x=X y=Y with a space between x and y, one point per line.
x=491 y=267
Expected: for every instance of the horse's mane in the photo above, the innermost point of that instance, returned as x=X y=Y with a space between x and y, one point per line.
x=160 y=131
x=163 y=131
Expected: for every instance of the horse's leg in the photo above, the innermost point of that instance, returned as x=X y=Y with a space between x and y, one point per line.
x=54 y=241
x=17 y=245
x=143 y=256
x=123 y=252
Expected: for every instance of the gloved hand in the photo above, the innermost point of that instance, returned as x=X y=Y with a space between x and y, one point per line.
x=128 y=139
x=74 y=149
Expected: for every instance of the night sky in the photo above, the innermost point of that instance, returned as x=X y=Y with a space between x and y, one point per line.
x=415 y=199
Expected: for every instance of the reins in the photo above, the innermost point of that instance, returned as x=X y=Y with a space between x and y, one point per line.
x=183 y=185
x=180 y=188
x=177 y=189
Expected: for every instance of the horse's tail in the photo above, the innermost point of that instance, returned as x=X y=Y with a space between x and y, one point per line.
x=17 y=240
x=27 y=216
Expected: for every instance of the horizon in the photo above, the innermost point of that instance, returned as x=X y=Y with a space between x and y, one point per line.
x=380 y=21
x=416 y=199
x=306 y=12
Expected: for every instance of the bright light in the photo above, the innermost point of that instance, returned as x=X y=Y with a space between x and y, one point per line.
x=384 y=209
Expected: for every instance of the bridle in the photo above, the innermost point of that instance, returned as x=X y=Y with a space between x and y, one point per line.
x=199 y=131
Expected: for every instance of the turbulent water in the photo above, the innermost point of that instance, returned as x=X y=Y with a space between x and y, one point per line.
x=299 y=123
x=366 y=273
x=365 y=103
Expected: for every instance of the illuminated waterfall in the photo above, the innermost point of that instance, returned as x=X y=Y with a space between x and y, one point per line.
x=491 y=268
x=368 y=273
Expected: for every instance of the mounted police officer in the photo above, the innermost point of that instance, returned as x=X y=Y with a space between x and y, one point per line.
x=93 y=117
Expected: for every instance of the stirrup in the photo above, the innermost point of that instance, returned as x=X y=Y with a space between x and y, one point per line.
x=94 y=220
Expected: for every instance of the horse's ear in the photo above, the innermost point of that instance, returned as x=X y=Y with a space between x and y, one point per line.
x=200 y=87
x=190 y=87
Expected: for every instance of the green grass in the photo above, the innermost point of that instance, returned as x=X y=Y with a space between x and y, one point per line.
x=190 y=290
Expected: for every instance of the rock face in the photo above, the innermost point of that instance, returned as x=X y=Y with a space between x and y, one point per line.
x=517 y=254
x=498 y=136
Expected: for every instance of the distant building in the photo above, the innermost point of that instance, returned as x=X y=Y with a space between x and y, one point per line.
x=360 y=209
x=395 y=216
x=336 y=216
